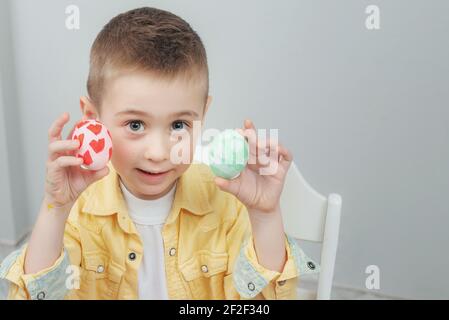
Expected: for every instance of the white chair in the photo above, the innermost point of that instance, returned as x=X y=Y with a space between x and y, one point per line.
x=307 y=216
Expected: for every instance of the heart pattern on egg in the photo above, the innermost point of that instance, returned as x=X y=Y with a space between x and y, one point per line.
x=87 y=159
x=82 y=123
x=80 y=138
x=97 y=146
x=95 y=128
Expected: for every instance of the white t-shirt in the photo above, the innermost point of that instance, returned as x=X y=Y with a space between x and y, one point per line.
x=149 y=217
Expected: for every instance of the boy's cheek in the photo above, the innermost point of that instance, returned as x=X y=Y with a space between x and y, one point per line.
x=121 y=150
x=180 y=169
x=122 y=154
x=181 y=152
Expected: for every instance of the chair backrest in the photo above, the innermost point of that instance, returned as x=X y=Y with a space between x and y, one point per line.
x=303 y=209
x=309 y=216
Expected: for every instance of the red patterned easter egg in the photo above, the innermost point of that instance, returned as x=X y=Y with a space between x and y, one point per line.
x=95 y=144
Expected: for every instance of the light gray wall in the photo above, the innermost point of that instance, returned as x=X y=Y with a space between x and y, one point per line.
x=14 y=220
x=364 y=112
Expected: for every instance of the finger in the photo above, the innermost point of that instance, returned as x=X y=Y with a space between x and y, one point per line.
x=285 y=157
x=259 y=145
x=248 y=124
x=69 y=136
x=273 y=147
x=92 y=176
x=250 y=130
x=263 y=151
x=247 y=133
x=58 y=147
x=68 y=161
x=250 y=137
x=231 y=186
x=54 y=133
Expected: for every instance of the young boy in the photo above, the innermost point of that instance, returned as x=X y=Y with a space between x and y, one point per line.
x=145 y=227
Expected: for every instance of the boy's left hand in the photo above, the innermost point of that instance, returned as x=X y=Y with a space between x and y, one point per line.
x=259 y=192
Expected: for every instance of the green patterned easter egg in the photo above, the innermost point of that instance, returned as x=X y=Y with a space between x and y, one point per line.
x=228 y=154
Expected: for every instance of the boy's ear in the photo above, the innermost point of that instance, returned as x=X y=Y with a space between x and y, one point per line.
x=88 y=109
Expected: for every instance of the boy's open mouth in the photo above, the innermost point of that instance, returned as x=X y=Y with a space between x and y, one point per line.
x=152 y=173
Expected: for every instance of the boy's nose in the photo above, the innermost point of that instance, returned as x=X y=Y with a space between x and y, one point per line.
x=156 y=149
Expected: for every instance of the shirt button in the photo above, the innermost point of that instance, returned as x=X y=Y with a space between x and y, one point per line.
x=172 y=252
x=311 y=265
x=251 y=286
x=41 y=295
x=204 y=268
x=282 y=282
x=132 y=256
x=100 y=269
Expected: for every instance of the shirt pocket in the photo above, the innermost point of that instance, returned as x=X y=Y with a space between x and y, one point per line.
x=100 y=277
x=204 y=274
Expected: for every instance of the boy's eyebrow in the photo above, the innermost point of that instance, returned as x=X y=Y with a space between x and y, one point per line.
x=144 y=114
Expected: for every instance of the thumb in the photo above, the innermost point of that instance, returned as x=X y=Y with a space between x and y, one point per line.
x=97 y=175
x=231 y=186
x=101 y=173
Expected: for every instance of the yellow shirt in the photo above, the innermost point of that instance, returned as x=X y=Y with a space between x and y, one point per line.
x=209 y=252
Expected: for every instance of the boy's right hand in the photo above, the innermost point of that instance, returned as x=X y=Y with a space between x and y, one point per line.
x=65 y=179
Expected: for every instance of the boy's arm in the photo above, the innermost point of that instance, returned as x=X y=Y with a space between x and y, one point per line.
x=46 y=240
x=248 y=278
x=37 y=267
x=48 y=279
x=272 y=271
x=269 y=238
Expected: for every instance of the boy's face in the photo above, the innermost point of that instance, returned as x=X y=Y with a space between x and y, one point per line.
x=147 y=116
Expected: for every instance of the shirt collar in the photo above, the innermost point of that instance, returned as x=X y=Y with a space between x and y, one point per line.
x=106 y=198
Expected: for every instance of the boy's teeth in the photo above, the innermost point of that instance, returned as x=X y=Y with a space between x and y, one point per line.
x=149 y=172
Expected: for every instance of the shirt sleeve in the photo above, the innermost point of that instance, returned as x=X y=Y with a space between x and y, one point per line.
x=50 y=283
x=45 y=284
x=253 y=281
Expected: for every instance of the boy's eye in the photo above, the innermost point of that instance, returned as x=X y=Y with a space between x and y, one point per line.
x=179 y=125
x=135 y=125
